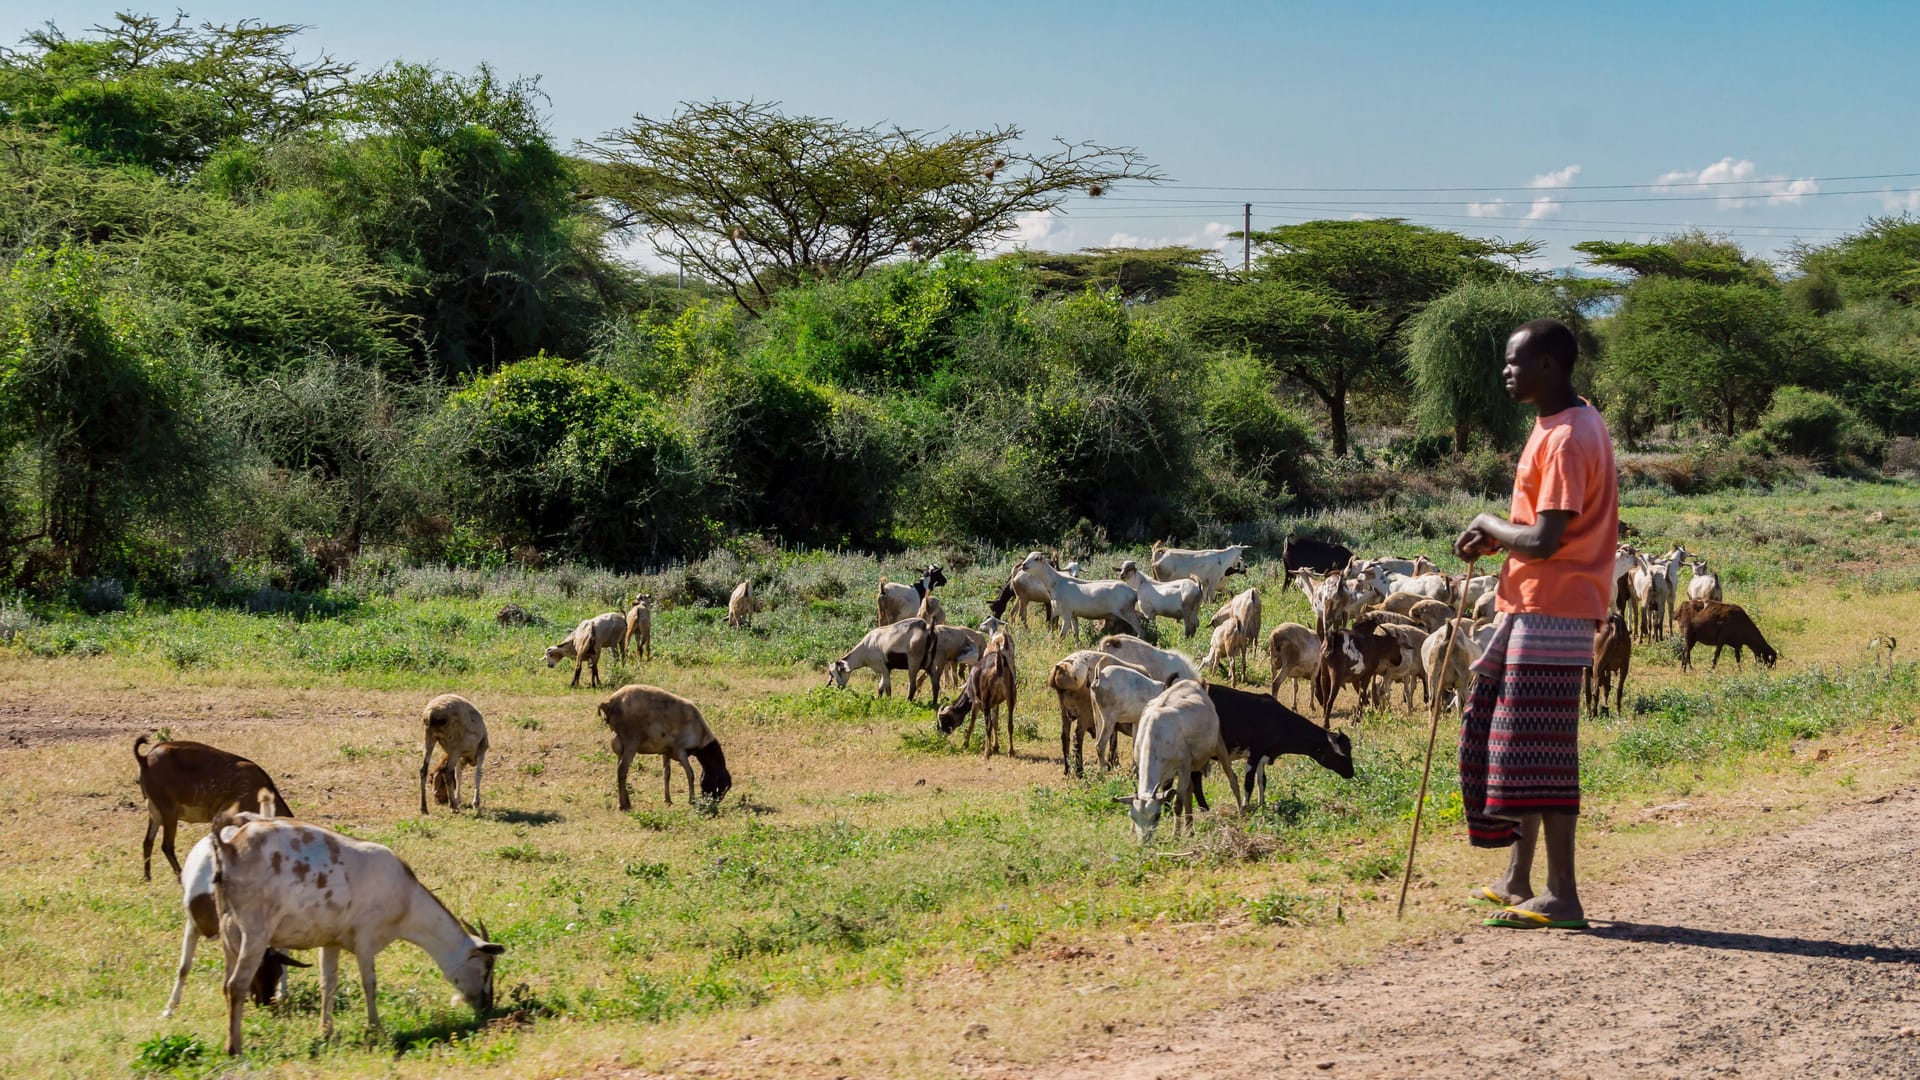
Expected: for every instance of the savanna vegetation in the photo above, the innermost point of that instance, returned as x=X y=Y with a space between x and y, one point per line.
x=306 y=372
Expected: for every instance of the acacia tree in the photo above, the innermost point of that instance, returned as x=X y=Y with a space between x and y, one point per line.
x=1455 y=351
x=1713 y=351
x=758 y=200
x=1299 y=332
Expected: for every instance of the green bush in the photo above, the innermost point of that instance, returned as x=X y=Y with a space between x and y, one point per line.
x=1810 y=424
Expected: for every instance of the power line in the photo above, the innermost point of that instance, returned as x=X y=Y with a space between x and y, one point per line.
x=1346 y=203
x=1570 y=187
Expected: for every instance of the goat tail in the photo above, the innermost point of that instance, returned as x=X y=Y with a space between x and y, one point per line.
x=139 y=742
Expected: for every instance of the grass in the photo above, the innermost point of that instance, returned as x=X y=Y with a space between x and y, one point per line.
x=864 y=871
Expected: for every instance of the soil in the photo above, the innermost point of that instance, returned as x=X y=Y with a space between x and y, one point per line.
x=1795 y=955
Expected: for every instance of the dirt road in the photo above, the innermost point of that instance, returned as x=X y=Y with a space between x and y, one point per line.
x=1796 y=955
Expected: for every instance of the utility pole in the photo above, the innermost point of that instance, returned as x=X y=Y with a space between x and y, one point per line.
x=1246 y=239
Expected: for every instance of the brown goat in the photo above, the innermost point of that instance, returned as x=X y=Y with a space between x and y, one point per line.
x=194 y=782
x=1709 y=622
x=990 y=685
x=1351 y=659
x=1612 y=655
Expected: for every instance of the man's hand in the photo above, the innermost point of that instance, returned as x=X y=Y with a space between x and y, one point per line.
x=1474 y=543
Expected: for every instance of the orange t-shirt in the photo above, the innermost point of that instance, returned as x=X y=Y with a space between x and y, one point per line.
x=1567 y=465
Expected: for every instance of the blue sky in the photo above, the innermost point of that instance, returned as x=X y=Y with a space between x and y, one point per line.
x=1535 y=106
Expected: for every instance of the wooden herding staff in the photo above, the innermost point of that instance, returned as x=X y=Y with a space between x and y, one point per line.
x=1433 y=732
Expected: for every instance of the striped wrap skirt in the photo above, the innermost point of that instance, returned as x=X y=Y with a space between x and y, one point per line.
x=1520 y=735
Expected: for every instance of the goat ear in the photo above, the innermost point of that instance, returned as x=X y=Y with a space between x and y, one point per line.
x=291 y=962
x=1123 y=799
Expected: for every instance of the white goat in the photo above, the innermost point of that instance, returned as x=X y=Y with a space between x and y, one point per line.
x=453 y=724
x=907 y=645
x=640 y=627
x=899 y=601
x=1208 y=566
x=1230 y=641
x=1120 y=693
x=203 y=920
x=741 y=605
x=1071 y=680
x=1179 y=600
x=286 y=884
x=1178 y=734
x=1244 y=606
x=1074 y=600
x=1161 y=664
x=1704 y=585
x=589 y=639
x=1294 y=651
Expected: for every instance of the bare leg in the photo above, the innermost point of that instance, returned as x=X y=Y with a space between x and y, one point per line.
x=479 y=763
x=666 y=778
x=367 y=989
x=1561 y=900
x=620 y=779
x=1515 y=885
x=687 y=767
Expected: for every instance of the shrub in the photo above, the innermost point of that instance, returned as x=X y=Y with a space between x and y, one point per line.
x=1810 y=424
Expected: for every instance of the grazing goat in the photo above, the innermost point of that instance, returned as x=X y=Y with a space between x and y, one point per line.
x=1208 y=566
x=1230 y=641
x=1161 y=664
x=1458 y=674
x=1294 y=651
x=1179 y=600
x=1612 y=655
x=741 y=605
x=955 y=647
x=649 y=720
x=1704 y=585
x=203 y=921
x=907 y=646
x=194 y=782
x=1319 y=556
x=1120 y=693
x=1706 y=622
x=1074 y=600
x=1261 y=729
x=1404 y=666
x=588 y=640
x=1178 y=734
x=1244 y=606
x=283 y=884
x=453 y=724
x=990 y=685
x=1431 y=614
x=1425 y=586
x=1025 y=588
x=1350 y=659
x=640 y=627
x=931 y=611
x=1071 y=680
x=899 y=601
x=1668 y=567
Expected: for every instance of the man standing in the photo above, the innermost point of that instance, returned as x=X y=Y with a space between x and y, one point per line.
x=1519 y=739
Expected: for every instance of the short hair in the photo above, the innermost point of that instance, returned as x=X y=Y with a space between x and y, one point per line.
x=1549 y=338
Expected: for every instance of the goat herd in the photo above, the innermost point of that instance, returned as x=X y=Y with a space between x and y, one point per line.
x=265 y=882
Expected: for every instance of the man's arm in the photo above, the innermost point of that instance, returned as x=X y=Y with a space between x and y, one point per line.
x=1490 y=533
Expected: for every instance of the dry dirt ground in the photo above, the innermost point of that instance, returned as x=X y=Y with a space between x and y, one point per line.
x=1794 y=955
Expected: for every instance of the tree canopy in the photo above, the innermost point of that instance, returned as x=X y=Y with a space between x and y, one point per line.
x=759 y=200
x=1456 y=348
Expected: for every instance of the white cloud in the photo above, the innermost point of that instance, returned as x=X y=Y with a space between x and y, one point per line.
x=1543 y=207
x=1901 y=202
x=1490 y=208
x=1558 y=178
x=1738 y=183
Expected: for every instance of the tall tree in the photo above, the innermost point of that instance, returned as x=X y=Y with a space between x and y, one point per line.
x=451 y=182
x=758 y=200
x=1337 y=294
x=1301 y=333
x=1695 y=255
x=1881 y=261
x=167 y=95
x=1456 y=348
x=1715 y=352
